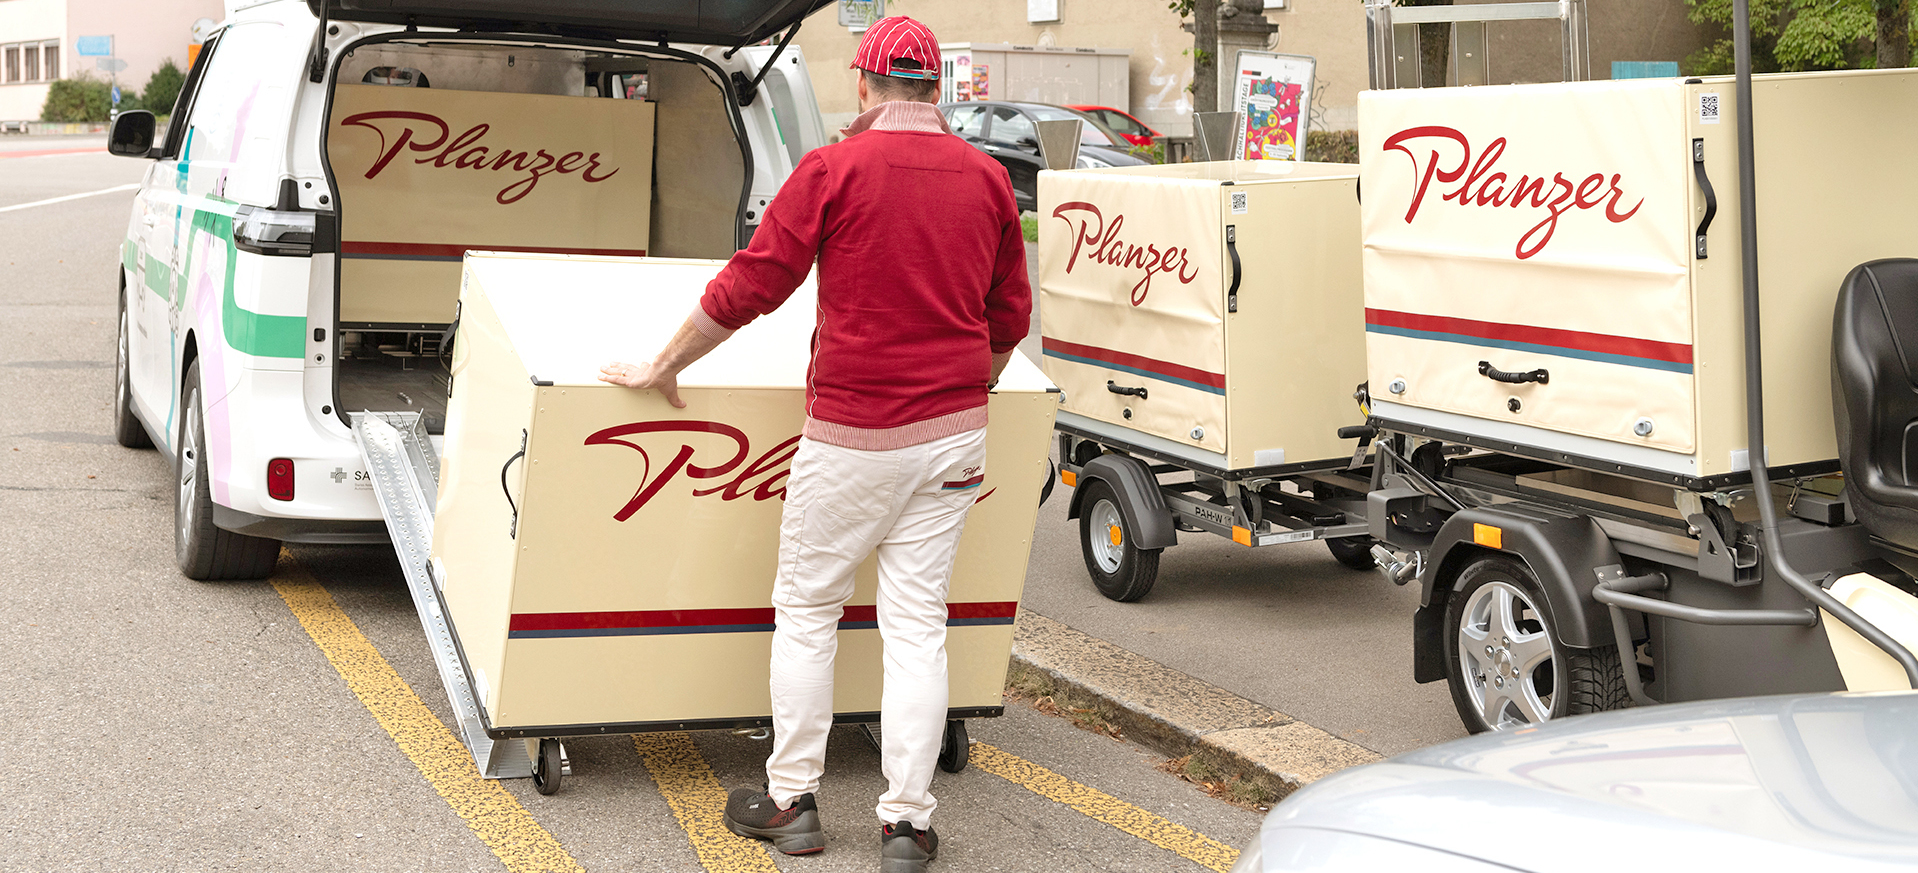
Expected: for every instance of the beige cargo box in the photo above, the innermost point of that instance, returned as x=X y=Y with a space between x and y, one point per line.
x=1567 y=231
x=608 y=560
x=1223 y=298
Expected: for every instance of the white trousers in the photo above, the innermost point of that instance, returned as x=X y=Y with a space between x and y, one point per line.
x=841 y=505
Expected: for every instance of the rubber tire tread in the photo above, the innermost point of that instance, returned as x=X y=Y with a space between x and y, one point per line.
x=1353 y=552
x=1596 y=681
x=1592 y=679
x=127 y=429
x=210 y=553
x=955 y=747
x=1138 y=568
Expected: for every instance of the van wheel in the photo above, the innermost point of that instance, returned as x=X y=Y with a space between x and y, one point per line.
x=1505 y=663
x=1120 y=570
x=127 y=429
x=206 y=552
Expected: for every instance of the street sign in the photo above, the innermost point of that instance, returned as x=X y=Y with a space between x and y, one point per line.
x=111 y=65
x=860 y=14
x=93 y=46
x=116 y=95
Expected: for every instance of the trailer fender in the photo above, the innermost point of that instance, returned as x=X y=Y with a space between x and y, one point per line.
x=1139 y=499
x=1561 y=551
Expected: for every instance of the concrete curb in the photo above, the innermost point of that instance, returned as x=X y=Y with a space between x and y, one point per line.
x=1173 y=713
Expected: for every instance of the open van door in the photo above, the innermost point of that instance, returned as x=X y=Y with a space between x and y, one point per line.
x=712 y=22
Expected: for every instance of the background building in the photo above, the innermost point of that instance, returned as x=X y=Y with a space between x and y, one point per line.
x=1160 y=66
x=38 y=39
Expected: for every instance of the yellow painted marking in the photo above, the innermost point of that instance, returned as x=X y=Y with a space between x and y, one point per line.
x=1241 y=536
x=1113 y=534
x=1070 y=478
x=495 y=816
x=698 y=801
x=1176 y=838
x=1488 y=536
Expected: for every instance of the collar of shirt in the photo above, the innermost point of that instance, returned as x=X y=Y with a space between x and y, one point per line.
x=900 y=115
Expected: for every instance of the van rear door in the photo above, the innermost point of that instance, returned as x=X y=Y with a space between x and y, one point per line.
x=712 y=22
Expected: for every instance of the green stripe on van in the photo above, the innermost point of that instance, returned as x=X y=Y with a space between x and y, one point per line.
x=265 y=336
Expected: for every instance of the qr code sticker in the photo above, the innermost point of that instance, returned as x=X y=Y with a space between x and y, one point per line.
x=1238 y=203
x=1707 y=108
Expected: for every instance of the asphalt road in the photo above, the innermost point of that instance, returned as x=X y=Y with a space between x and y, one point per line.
x=165 y=724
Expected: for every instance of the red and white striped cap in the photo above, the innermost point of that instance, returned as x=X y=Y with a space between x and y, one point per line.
x=898 y=38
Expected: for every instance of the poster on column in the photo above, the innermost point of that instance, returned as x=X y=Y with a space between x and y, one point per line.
x=1273 y=95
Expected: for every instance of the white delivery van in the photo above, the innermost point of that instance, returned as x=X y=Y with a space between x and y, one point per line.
x=293 y=256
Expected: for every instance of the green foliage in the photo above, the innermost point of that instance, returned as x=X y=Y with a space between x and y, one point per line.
x=162 y=89
x=1332 y=146
x=1182 y=7
x=83 y=98
x=1029 y=224
x=1154 y=153
x=1790 y=35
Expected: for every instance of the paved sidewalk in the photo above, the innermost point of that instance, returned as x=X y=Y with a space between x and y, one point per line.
x=1173 y=713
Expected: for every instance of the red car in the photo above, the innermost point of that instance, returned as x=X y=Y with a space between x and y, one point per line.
x=1123 y=124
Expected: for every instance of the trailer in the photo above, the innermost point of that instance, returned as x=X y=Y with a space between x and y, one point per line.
x=1567 y=369
x=1193 y=314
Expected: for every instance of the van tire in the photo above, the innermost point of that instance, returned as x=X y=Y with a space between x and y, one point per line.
x=127 y=429
x=206 y=552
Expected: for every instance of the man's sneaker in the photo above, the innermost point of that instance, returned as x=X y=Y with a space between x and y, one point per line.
x=906 y=849
x=794 y=831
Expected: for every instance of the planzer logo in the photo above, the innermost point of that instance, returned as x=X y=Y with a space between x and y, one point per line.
x=763 y=479
x=1482 y=186
x=1092 y=229
x=464 y=152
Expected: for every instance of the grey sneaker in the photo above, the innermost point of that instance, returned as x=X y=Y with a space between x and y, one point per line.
x=794 y=831
x=906 y=849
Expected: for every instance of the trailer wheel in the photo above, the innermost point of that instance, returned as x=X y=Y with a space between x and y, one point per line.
x=549 y=767
x=127 y=429
x=1353 y=552
x=1505 y=663
x=955 y=751
x=206 y=552
x=1119 y=569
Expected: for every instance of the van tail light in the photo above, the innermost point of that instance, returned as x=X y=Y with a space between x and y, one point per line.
x=274 y=231
x=279 y=479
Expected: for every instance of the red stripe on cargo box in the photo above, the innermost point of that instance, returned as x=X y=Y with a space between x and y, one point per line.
x=1136 y=363
x=436 y=251
x=1634 y=347
x=537 y=625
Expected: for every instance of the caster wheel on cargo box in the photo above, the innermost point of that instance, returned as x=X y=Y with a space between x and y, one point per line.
x=1505 y=662
x=550 y=766
x=1119 y=569
x=954 y=751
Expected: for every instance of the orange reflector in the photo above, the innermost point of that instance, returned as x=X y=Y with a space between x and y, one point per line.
x=1070 y=478
x=1488 y=536
x=1112 y=533
x=1241 y=536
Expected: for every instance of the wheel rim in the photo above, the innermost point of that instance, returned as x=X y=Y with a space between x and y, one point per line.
x=1508 y=658
x=189 y=505
x=1106 y=538
x=120 y=371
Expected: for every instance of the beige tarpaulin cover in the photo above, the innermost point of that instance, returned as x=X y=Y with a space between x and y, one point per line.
x=425 y=175
x=624 y=573
x=1539 y=227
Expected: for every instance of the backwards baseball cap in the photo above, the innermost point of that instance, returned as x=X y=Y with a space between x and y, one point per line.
x=890 y=40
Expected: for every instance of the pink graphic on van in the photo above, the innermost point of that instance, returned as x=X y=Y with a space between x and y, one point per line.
x=1482 y=186
x=464 y=152
x=1109 y=249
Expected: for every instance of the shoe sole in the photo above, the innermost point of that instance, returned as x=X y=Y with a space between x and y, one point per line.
x=788 y=843
x=904 y=865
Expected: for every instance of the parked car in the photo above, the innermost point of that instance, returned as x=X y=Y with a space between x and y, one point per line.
x=292 y=258
x=1120 y=122
x=1008 y=133
x=1811 y=782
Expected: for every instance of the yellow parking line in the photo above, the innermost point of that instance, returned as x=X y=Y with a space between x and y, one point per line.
x=698 y=801
x=1175 y=838
x=494 y=815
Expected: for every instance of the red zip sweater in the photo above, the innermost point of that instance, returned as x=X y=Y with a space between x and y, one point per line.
x=922 y=277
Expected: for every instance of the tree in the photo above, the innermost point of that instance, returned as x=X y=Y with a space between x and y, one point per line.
x=163 y=88
x=1205 y=50
x=82 y=98
x=1808 y=35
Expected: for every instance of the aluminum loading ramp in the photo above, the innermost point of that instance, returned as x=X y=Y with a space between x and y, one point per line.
x=405 y=472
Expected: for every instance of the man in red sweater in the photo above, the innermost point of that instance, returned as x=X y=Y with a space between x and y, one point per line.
x=922 y=298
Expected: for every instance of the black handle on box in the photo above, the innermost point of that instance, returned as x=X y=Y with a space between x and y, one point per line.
x=512 y=529
x=1232 y=248
x=1116 y=388
x=1711 y=199
x=1541 y=375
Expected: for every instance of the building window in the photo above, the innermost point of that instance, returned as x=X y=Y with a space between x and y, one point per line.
x=50 y=60
x=33 y=63
x=12 y=53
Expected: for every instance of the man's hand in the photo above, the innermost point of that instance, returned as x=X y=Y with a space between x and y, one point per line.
x=644 y=376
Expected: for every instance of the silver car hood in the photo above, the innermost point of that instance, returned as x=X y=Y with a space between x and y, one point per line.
x=1757 y=783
